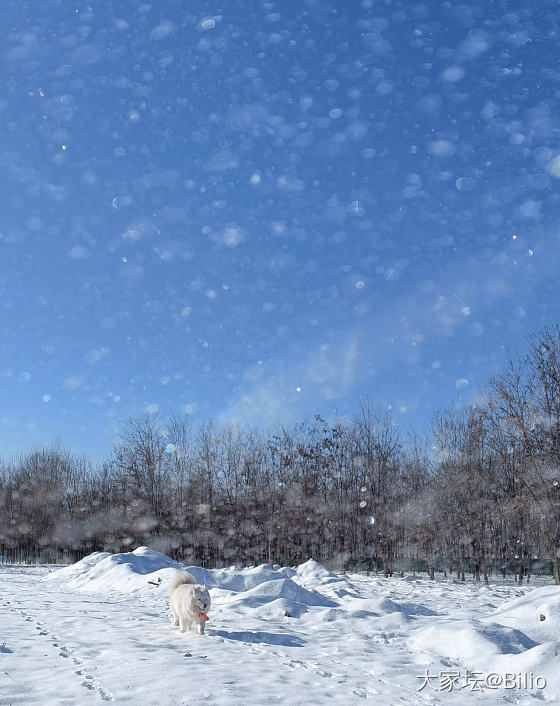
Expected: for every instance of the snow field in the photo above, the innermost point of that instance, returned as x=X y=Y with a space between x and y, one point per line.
x=99 y=631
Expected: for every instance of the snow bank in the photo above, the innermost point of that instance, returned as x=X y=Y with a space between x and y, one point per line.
x=234 y=579
x=315 y=577
x=78 y=569
x=102 y=572
x=385 y=606
x=525 y=614
x=279 y=588
x=470 y=641
x=512 y=639
x=282 y=607
x=312 y=574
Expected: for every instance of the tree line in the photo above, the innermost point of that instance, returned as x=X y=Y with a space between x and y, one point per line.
x=481 y=489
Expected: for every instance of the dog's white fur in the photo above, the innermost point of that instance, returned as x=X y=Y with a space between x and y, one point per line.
x=188 y=600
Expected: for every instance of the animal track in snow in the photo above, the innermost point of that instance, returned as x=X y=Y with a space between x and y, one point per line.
x=87 y=680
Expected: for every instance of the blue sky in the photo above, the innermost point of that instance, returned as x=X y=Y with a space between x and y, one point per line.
x=259 y=211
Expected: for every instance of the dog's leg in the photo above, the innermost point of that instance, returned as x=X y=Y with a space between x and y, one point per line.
x=200 y=626
x=182 y=624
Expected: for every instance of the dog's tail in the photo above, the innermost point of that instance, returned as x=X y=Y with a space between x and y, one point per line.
x=181 y=578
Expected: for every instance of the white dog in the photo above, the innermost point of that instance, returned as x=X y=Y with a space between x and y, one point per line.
x=189 y=602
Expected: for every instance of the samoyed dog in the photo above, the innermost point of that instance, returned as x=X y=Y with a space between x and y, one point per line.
x=189 y=602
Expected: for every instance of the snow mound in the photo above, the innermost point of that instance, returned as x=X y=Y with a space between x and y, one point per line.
x=127 y=572
x=234 y=579
x=470 y=641
x=80 y=567
x=540 y=660
x=524 y=613
x=386 y=606
x=314 y=576
x=279 y=588
x=282 y=607
x=102 y=572
x=311 y=574
x=371 y=614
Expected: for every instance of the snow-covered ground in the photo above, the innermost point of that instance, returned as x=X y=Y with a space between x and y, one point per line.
x=99 y=631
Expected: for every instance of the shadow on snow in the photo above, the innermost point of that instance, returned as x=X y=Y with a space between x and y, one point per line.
x=267 y=638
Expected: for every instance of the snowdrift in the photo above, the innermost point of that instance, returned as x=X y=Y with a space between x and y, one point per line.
x=262 y=589
x=525 y=614
x=468 y=641
x=279 y=588
x=235 y=579
x=102 y=572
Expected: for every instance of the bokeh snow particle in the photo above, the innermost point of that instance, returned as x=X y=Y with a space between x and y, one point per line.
x=72 y=382
x=453 y=74
x=163 y=30
x=231 y=236
x=441 y=148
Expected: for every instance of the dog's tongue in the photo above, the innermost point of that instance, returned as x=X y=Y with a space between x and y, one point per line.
x=203 y=615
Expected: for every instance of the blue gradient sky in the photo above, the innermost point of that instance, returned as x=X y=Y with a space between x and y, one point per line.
x=259 y=211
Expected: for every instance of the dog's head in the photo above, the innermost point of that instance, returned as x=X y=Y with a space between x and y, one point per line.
x=201 y=597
